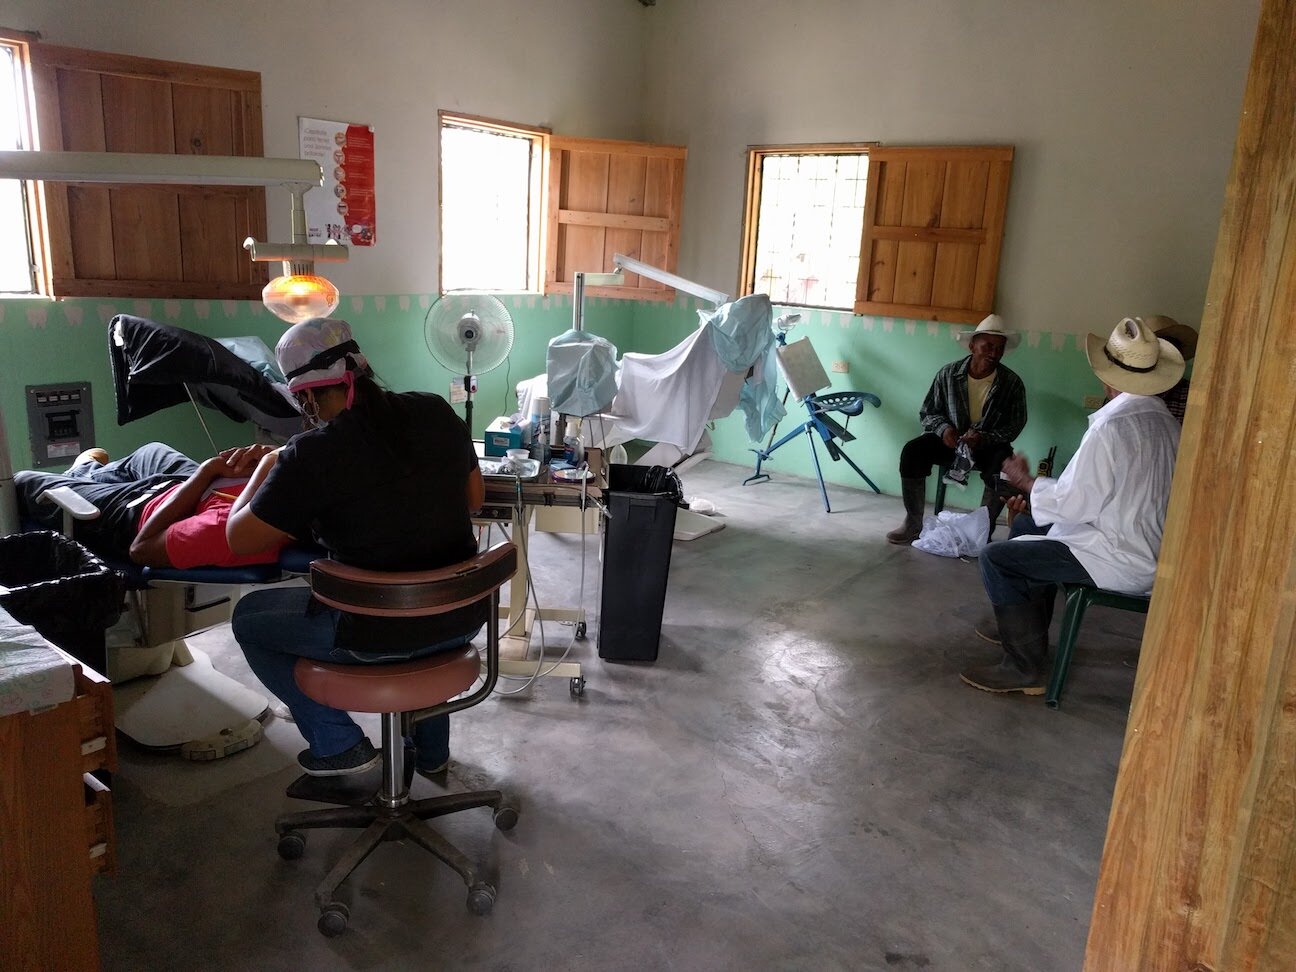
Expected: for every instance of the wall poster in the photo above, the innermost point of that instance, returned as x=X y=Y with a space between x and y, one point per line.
x=343 y=208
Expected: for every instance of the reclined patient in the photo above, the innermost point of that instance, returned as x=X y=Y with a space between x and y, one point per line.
x=158 y=507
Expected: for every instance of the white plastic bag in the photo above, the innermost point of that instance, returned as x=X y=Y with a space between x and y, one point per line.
x=951 y=534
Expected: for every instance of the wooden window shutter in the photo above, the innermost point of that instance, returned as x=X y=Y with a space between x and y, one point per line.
x=146 y=241
x=933 y=227
x=610 y=197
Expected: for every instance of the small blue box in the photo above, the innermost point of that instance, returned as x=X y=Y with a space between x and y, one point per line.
x=501 y=435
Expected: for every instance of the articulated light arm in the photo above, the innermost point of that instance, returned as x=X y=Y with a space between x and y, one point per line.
x=623 y=262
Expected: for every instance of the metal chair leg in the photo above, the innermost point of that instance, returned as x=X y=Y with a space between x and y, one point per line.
x=1077 y=600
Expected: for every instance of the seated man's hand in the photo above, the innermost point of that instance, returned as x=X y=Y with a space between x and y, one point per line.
x=972 y=437
x=1016 y=470
x=1018 y=504
x=950 y=437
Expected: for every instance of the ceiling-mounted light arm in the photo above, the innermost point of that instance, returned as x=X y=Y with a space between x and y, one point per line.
x=624 y=262
x=149 y=168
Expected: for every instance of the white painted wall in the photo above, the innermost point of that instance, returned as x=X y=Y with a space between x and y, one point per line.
x=575 y=66
x=1123 y=113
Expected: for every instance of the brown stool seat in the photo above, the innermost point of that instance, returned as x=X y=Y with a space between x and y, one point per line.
x=399 y=687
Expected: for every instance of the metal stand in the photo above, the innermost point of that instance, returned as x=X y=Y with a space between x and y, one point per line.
x=848 y=403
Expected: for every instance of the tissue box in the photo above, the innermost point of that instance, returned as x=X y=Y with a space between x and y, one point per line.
x=502 y=435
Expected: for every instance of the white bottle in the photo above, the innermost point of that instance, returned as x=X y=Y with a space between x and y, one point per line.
x=540 y=436
x=573 y=451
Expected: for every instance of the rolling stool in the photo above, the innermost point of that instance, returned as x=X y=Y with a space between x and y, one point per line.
x=404 y=693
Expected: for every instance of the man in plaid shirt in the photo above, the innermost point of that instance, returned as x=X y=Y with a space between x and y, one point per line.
x=975 y=400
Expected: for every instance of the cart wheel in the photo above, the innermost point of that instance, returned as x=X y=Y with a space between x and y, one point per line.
x=333 y=919
x=292 y=845
x=481 y=898
x=576 y=687
x=580 y=630
x=506 y=818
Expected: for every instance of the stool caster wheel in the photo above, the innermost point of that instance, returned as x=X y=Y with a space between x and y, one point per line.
x=333 y=919
x=292 y=845
x=576 y=687
x=505 y=818
x=580 y=630
x=481 y=898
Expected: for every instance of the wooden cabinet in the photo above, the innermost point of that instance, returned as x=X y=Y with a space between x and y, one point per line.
x=55 y=827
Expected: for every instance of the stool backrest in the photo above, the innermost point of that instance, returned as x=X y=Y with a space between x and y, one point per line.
x=415 y=593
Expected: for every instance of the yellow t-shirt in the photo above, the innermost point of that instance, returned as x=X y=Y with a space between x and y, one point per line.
x=978 y=389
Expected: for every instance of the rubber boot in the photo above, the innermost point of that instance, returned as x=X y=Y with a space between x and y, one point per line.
x=994 y=505
x=914 y=493
x=987 y=629
x=1023 y=630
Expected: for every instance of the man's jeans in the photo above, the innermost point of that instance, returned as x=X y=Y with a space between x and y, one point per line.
x=1013 y=571
x=274 y=628
x=113 y=488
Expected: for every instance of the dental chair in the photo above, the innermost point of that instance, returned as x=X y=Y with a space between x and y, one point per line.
x=669 y=399
x=167 y=694
x=404 y=693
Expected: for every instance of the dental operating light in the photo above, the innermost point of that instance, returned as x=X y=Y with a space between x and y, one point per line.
x=298 y=294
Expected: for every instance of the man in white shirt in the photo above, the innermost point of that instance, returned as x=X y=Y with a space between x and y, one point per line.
x=1100 y=522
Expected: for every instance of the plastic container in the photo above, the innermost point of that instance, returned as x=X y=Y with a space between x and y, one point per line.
x=62 y=590
x=573 y=451
x=636 y=561
x=540 y=421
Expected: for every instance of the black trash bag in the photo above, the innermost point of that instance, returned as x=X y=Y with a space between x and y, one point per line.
x=62 y=590
x=659 y=480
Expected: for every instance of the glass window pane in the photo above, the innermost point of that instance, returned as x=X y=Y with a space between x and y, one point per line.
x=15 y=247
x=810 y=217
x=486 y=235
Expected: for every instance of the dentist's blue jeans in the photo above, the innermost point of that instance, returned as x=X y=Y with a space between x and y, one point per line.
x=274 y=628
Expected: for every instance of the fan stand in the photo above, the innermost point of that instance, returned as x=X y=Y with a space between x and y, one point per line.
x=468 y=394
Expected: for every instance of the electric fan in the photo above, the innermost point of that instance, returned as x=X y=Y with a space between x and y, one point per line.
x=469 y=334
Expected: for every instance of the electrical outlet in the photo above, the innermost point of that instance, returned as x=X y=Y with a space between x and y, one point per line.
x=841 y=367
x=1093 y=401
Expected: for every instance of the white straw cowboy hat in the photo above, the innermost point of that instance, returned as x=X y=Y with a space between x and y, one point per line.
x=1134 y=359
x=1181 y=336
x=994 y=326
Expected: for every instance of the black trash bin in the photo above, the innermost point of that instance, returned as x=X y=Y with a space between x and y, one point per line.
x=641 y=503
x=62 y=590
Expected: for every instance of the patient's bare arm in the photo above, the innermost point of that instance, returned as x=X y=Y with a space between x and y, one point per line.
x=149 y=546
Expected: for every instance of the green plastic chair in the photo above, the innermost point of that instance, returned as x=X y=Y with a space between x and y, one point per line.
x=1078 y=598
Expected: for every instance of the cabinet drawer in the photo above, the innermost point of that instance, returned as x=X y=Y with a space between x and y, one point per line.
x=100 y=840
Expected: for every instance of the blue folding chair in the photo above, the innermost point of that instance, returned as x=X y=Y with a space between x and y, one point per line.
x=805 y=377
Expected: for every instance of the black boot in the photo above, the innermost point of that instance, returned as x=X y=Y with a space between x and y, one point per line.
x=1023 y=630
x=994 y=505
x=914 y=493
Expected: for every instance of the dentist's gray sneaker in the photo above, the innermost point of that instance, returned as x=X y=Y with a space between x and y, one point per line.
x=357 y=759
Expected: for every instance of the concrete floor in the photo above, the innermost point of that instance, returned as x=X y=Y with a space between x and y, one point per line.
x=799 y=782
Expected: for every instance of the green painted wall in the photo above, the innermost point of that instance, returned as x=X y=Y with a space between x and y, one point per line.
x=895 y=360
x=64 y=341
x=61 y=341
